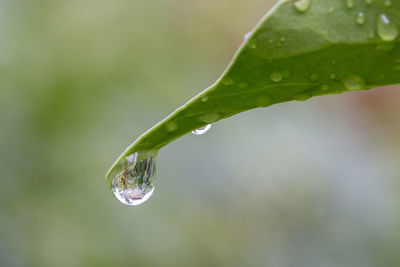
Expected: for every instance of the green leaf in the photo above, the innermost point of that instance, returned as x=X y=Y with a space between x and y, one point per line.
x=300 y=49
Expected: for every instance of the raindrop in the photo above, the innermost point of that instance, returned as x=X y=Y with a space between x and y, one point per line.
x=331 y=9
x=388 y=3
x=132 y=180
x=202 y=130
x=302 y=5
x=387 y=31
x=360 y=19
x=324 y=87
x=171 y=126
x=209 y=117
x=353 y=82
x=276 y=76
x=247 y=35
x=227 y=81
x=368 y=2
x=350 y=3
x=332 y=76
x=204 y=98
x=263 y=101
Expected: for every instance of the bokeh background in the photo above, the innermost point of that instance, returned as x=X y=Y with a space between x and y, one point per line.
x=312 y=183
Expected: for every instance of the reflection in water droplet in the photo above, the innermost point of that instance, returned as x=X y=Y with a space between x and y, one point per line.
x=247 y=35
x=276 y=76
x=132 y=180
x=387 y=31
x=360 y=19
x=202 y=130
x=350 y=3
x=353 y=82
x=302 y=5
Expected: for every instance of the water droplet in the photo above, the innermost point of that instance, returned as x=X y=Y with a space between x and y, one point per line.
x=353 y=82
x=282 y=39
x=368 y=2
x=276 y=76
x=132 y=180
x=331 y=9
x=247 y=35
x=388 y=3
x=209 y=117
x=302 y=5
x=350 y=3
x=324 y=87
x=314 y=77
x=371 y=34
x=202 y=130
x=227 y=81
x=302 y=97
x=387 y=31
x=204 y=98
x=243 y=85
x=171 y=126
x=360 y=19
x=252 y=44
x=263 y=101
x=332 y=76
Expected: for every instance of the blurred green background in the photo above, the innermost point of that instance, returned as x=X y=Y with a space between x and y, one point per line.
x=312 y=183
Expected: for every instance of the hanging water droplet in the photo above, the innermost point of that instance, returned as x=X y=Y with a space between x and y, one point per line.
x=350 y=3
x=353 y=82
x=388 y=3
x=247 y=35
x=202 y=130
x=276 y=76
x=387 y=31
x=360 y=19
x=302 y=5
x=132 y=180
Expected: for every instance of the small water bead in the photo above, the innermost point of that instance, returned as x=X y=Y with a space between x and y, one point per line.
x=314 y=77
x=204 y=98
x=263 y=101
x=171 y=126
x=202 y=130
x=350 y=3
x=331 y=9
x=368 y=2
x=353 y=82
x=332 y=76
x=209 y=117
x=302 y=97
x=360 y=19
x=276 y=76
x=388 y=3
x=302 y=6
x=247 y=35
x=324 y=87
x=227 y=81
x=387 y=31
x=132 y=181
